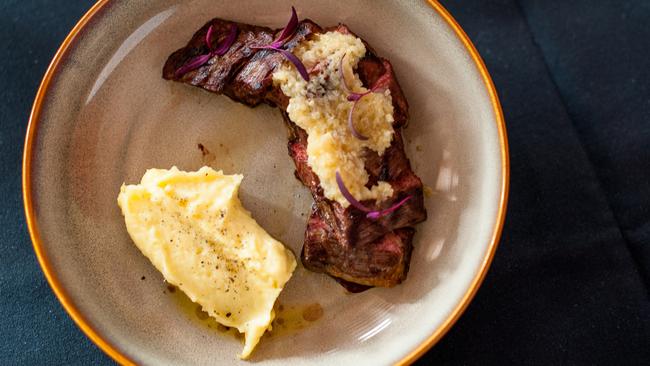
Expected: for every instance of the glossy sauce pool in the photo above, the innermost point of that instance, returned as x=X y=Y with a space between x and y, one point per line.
x=289 y=318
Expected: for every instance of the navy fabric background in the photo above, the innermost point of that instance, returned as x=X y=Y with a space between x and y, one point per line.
x=569 y=283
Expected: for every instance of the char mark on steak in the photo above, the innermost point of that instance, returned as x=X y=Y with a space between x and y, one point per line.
x=357 y=251
x=243 y=73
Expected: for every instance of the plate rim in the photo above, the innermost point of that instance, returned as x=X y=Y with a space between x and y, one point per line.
x=112 y=350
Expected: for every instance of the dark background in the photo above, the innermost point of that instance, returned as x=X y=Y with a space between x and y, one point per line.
x=569 y=283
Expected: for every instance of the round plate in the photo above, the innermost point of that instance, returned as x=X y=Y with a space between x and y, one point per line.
x=103 y=115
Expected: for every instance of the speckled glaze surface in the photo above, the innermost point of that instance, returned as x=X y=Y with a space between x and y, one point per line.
x=107 y=115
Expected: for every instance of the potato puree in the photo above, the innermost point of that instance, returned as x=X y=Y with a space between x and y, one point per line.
x=195 y=231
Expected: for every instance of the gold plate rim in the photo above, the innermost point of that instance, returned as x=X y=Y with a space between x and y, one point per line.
x=110 y=349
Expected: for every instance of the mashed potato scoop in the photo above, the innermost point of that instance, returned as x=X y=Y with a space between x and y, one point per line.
x=195 y=231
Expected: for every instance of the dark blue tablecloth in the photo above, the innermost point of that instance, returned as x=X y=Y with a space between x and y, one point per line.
x=569 y=284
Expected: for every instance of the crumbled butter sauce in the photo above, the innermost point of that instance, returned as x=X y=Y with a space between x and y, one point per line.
x=321 y=108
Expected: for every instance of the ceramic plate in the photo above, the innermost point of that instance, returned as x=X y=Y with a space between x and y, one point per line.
x=104 y=115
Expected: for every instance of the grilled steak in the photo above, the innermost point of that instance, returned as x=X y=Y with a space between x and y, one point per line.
x=383 y=262
x=342 y=242
x=243 y=73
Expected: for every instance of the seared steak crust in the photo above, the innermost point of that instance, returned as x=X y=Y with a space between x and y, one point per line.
x=243 y=73
x=342 y=242
x=383 y=262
